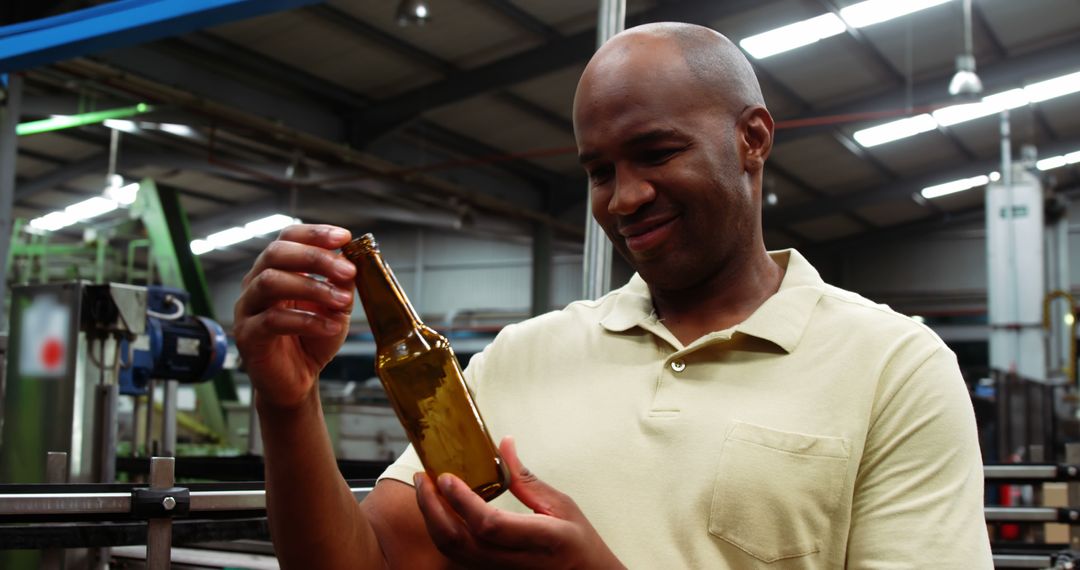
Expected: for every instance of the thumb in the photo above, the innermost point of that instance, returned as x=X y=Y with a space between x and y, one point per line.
x=542 y=498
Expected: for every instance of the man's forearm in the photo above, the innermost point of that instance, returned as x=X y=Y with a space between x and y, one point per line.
x=314 y=520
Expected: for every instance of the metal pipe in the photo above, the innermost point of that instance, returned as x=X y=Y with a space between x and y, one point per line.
x=1021 y=514
x=1070 y=365
x=969 y=45
x=108 y=395
x=168 y=419
x=159 y=531
x=56 y=472
x=596 y=269
x=1034 y=472
x=13 y=504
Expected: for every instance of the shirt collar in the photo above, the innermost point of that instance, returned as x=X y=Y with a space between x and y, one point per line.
x=781 y=319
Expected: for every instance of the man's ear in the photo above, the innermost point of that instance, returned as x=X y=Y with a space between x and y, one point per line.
x=757 y=134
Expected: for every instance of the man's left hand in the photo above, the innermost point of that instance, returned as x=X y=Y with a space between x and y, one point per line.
x=469 y=531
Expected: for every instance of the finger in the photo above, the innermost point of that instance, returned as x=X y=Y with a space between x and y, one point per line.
x=492 y=526
x=528 y=488
x=302 y=258
x=447 y=530
x=320 y=235
x=281 y=321
x=273 y=286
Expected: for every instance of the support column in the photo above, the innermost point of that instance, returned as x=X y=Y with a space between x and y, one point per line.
x=9 y=119
x=541 y=269
x=597 y=259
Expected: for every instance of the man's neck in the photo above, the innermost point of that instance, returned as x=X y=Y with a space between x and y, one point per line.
x=721 y=302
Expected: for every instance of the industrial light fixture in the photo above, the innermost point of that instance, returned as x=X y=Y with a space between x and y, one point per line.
x=1049 y=163
x=791 y=36
x=965 y=83
x=895 y=130
x=413 y=12
x=876 y=11
x=237 y=234
x=955 y=114
x=806 y=32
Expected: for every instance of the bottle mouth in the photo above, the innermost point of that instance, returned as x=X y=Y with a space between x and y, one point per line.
x=360 y=246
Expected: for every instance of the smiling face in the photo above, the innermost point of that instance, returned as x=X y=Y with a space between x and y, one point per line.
x=667 y=163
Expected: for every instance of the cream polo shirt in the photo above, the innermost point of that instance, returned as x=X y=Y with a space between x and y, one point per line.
x=824 y=431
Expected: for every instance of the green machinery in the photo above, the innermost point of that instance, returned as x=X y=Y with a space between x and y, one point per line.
x=148 y=246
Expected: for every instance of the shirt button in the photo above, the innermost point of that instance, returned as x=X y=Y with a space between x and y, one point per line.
x=678 y=365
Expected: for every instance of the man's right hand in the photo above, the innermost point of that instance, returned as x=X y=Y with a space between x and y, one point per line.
x=287 y=323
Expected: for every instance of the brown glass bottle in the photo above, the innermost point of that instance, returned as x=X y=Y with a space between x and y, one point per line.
x=423 y=380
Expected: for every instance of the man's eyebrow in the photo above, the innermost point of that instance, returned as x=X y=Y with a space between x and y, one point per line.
x=651 y=136
x=640 y=139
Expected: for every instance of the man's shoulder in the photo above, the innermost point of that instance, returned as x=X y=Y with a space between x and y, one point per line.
x=867 y=317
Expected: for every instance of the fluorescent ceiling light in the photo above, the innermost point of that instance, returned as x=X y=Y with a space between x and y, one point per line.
x=1058 y=161
x=792 y=36
x=200 y=246
x=956 y=114
x=238 y=234
x=269 y=224
x=53 y=221
x=990 y=105
x=1052 y=162
x=124 y=195
x=955 y=186
x=228 y=237
x=178 y=130
x=121 y=125
x=876 y=11
x=91 y=208
x=895 y=130
x=1052 y=88
x=806 y=32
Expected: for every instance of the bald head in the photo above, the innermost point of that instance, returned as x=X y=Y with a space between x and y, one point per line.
x=714 y=61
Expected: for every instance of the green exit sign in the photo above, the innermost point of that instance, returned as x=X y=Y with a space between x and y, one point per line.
x=1017 y=212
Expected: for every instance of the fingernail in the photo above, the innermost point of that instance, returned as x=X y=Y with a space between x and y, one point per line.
x=342 y=297
x=417 y=481
x=445 y=483
x=344 y=269
x=338 y=234
x=332 y=326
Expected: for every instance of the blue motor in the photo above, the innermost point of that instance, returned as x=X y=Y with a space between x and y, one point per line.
x=176 y=346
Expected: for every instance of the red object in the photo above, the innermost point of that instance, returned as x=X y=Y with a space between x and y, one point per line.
x=52 y=353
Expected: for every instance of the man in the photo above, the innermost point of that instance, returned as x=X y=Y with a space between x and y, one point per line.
x=725 y=409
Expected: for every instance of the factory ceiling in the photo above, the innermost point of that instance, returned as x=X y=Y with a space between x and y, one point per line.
x=336 y=113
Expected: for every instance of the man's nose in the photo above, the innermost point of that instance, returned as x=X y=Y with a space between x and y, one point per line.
x=631 y=193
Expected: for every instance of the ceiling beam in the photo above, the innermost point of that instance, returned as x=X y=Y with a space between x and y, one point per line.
x=552 y=56
x=319 y=116
x=340 y=18
x=120 y=24
x=523 y=19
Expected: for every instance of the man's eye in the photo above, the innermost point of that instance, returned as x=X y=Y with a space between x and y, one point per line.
x=658 y=155
x=599 y=175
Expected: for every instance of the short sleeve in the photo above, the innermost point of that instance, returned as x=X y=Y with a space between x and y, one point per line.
x=919 y=493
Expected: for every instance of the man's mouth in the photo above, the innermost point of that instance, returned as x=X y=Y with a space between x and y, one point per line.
x=647 y=234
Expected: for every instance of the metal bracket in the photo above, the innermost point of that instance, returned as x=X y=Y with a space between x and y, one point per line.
x=147 y=503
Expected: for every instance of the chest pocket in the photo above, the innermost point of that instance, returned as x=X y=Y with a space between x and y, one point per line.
x=776 y=493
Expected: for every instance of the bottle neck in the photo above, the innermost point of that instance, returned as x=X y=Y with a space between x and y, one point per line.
x=388 y=310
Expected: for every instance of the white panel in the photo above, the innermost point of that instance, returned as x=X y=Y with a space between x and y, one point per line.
x=1016 y=275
